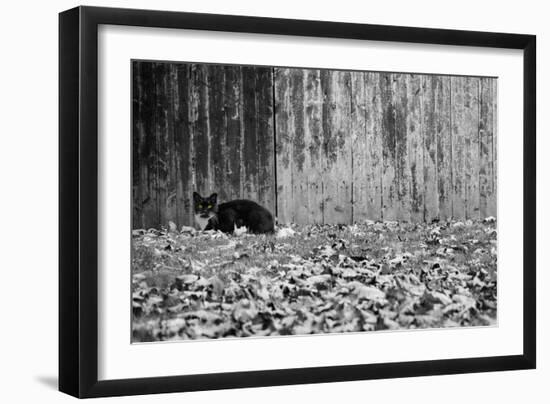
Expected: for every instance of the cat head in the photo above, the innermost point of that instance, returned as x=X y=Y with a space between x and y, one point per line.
x=205 y=207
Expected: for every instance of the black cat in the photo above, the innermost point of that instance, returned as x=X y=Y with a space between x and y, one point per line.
x=229 y=215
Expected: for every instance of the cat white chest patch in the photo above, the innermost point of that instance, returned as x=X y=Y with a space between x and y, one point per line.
x=201 y=221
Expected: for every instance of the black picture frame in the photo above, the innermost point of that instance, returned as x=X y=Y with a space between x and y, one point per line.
x=78 y=201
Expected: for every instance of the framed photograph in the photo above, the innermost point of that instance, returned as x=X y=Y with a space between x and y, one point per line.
x=251 y=201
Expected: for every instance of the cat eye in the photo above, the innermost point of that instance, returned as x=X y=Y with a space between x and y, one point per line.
x=200 y=205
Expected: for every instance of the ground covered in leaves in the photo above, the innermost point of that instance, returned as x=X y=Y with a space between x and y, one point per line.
x=313 y=279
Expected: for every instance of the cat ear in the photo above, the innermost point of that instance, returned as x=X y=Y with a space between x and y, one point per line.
x=214 y=198
x=196 y=197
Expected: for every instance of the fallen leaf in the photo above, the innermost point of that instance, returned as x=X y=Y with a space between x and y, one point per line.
x=245 y=310
x=285 y=232
x=173 y=227
x=369 y=293
x=436 y=297
x=188 y=278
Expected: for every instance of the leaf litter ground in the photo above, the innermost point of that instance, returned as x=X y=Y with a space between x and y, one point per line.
x=313 y=279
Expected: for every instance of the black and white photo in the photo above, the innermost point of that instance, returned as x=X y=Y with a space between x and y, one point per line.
x=276 y=201
x=249 y=201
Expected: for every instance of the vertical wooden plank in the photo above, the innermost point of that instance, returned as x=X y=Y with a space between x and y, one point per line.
x=313 y=133
x=402 y=168
x=459 y=127
x=431 y=108
x=300 y=167
x=161 y=150
x=266 y=180
x=487 y=194
x=336 y=128
x=137 y=139
x=199 y=127
x=148 y=149
x=250 y=133
x=170 y=201
x=465 y=123
x=374 y=139
x=233 y=102
x=151 y=153
x=444 y=147
x=359 y=150
x=415 y=146
x=494 y=195
x=389 y=181
x=284 y=142
x=215 y=78
x=175 y=159
x=182 y=135
x=155 y=160
x=471 y=148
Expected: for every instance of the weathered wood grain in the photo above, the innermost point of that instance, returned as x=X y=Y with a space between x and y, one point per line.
x=471 y=148
x=160 y=162
x=182 y=137
x=284 y=143
x=137 y=136
x=465 y=131
x=374 y=162
x=189 y=133
x=200 y=129
x=459 y=114
x=265 y=138
x=390 y=203
x=300 y=160
x=444 y=148
x=250 y=134
x=168 y=85
x=494 y=159
x=313 y=135
x=431 y=86
x=149 y=152
x=487 y=149
x=359 y=155
x=217 y=128
x=402 y=111
x=336 y=86
x=313 y=146
x=233 y=119
x=415 y=147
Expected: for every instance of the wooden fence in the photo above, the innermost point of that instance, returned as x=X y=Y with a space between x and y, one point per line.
x=338 y=147
x=199 y=127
